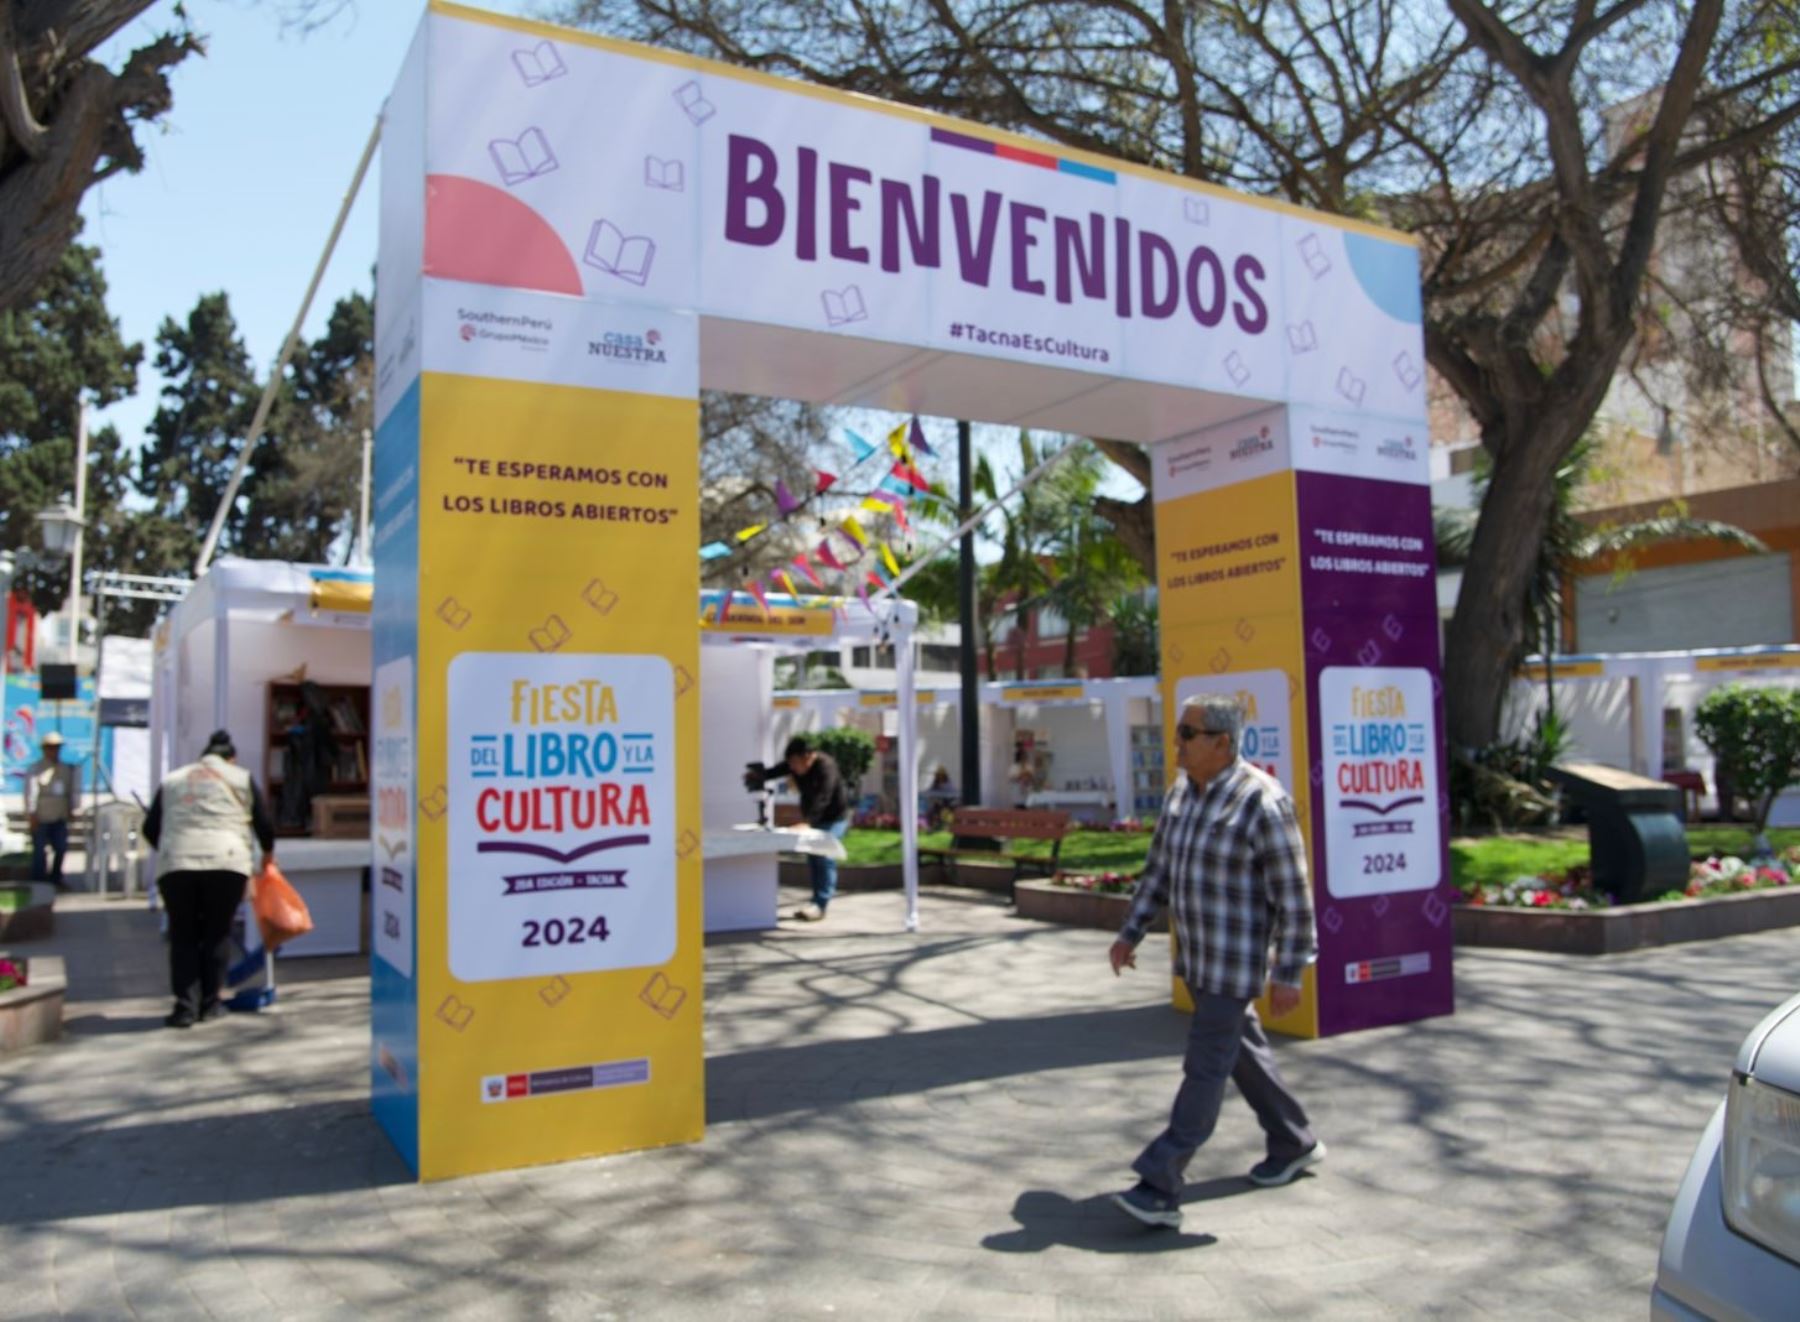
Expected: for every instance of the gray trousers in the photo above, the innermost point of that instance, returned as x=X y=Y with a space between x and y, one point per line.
x=1225 y=1041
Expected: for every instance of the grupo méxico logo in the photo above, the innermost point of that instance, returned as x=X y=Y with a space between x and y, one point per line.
x=467 y=332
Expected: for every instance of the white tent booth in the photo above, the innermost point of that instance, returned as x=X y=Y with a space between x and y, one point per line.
x=224 y=656
x=1106 y=732
x=1636 y=709
x=740 y=638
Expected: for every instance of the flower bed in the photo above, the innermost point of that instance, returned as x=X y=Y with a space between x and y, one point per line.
x=1573 y=888
x=31 y=1011
x=1724 y=897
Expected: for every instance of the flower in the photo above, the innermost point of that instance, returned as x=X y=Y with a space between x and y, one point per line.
x=11 y=975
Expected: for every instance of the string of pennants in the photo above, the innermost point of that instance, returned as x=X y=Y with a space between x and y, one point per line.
x=901 y=484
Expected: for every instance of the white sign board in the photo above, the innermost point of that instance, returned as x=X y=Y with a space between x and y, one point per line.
x=1379 y=730
x=562 y=811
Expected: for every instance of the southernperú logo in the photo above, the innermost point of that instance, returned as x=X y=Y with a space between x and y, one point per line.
x=621 y=346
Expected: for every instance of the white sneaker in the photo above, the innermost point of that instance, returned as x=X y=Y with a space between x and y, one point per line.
x=1269 y=1173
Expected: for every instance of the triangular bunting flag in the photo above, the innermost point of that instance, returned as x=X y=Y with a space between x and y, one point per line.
x=751 y=531
x=862 y=595
x=917 y=437
x=902 y=489
x=823 y=481
x=863 y=448
x=788 y=583
x=756 y=590
x=875 y=504
x=827 y=559
x=854 y=531
x=910 y=475
x=887 y=558
x=807 y=569
x=713 y=550
x=784 y=499
x=897 y=441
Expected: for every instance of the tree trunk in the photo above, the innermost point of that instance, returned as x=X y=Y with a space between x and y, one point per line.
x=87 y=115
x=1134 y=523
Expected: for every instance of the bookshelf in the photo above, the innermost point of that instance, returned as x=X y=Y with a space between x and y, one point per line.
x=1149 y=773
x=346 y=717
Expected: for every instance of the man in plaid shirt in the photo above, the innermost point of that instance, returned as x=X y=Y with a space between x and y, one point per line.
x=1229 y=863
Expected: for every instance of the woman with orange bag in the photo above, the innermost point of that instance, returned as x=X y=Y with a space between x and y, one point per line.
x=201 y=824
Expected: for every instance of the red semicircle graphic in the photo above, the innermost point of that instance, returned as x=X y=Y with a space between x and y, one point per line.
x=481 y=234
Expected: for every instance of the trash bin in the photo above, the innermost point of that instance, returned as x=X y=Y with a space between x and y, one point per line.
x=1635 y=829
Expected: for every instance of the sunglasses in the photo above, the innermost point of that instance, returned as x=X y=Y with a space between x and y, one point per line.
x=1187 y=733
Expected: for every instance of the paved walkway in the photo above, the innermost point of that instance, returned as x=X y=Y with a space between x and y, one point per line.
x=901 y=1127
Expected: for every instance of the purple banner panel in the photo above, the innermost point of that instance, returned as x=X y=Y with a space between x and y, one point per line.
x=1380 y=803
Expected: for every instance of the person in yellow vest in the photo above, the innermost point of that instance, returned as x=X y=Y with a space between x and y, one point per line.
x=52 y=794
x=202 y=823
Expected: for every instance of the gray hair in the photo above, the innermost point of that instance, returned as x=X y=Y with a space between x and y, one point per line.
x=1217 y=714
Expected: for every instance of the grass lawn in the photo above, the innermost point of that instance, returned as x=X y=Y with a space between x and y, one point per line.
x=1082 y=851
x=1474 y=860
x=1495 y=860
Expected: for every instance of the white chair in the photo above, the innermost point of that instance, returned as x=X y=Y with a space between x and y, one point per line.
x=116 y=848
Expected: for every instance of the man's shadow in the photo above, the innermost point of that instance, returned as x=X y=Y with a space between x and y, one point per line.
x=1093 y=1223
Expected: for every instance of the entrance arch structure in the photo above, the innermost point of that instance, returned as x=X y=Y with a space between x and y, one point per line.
x=577 y=235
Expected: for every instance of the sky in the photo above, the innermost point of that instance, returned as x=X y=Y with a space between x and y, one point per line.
x=245 y=175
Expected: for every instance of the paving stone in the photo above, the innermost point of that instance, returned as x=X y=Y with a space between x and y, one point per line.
x=901 y=1126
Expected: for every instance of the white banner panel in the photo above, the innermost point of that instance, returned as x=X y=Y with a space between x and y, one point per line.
x=594 y=172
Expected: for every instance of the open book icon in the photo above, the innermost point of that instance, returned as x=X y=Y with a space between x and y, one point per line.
x=611 y=250
x=690 y=98
x=539 y=64
x=844 y=306
x=1407 y=370
x=1350 y=385
x=550 y=635
x=600 y=597
x=662 y=996
x=1235 y=368
x=1195 y=210
x=670 y=175
x=1312 y=252
x=524 y=157
x=1303 y=337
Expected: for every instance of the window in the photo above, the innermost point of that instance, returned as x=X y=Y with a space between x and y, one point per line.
x=859 y=657
x=1051 y=624
x=940 y=656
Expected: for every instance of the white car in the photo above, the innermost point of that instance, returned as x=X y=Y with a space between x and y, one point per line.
x=1732 y=1249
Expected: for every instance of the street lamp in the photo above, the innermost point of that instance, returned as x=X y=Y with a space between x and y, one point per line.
x=60 y=527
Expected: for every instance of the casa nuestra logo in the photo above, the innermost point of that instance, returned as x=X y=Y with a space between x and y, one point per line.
x=1398 y=448
x=628 y=347
x=1250 y=446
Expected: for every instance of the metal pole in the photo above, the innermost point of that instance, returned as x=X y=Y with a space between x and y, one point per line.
x=965 y=604
x=81 y=447
x=99 y=658
x=362 y=518
x=287 y=351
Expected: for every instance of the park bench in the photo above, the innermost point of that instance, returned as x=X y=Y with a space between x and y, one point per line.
x=1001 y=824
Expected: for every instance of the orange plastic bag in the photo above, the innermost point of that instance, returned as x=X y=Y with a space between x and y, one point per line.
x=280 y=912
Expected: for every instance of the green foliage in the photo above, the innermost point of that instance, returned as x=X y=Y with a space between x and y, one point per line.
x=853 y=750
x=1136 y=650
x=1506 y=785
x=60 y=347
x=1082 y=851
x=1755 y=735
